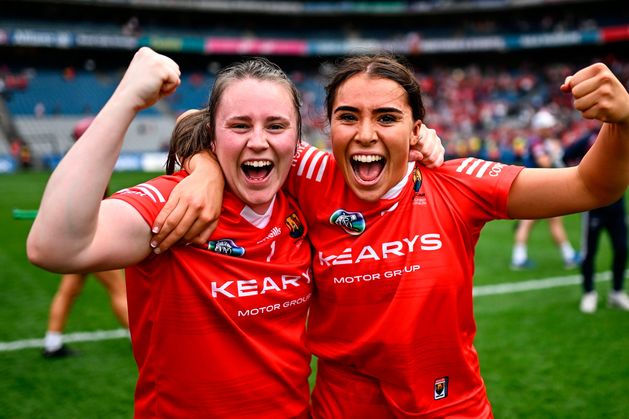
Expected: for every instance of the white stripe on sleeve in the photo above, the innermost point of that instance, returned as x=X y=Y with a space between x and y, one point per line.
x=146 y=192
x=313 y=164
x=304 y=160
x=483 y=169
x=322 y=168
x=464 y=164
x=158 y=194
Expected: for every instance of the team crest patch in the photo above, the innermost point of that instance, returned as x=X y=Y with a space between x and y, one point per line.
x=417 y=179
x=295 y=227
x=351 y=222
x=441 y=388
x=226 y=247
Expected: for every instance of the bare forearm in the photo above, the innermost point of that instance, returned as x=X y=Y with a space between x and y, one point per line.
x=605 y=168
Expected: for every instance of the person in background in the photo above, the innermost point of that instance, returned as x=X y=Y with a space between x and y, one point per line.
x=613 y=219
x=545 y=151
x=71 y=286
x=69 y=289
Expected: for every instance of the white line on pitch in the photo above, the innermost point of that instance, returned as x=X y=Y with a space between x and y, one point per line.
x=536 y=284
x=479 y=291
x=70 y=337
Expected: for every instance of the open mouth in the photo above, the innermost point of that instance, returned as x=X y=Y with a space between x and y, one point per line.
x=257 y=170
x=367 y=167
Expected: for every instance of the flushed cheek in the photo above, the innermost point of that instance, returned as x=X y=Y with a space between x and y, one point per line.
x=228 y=147
x=341 y=135
x=340 y=149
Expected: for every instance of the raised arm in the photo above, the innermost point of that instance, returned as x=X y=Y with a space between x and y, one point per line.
x=603 y=174
x=75 y=230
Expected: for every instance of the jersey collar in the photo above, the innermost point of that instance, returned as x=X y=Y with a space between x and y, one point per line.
x=258 y=220
x=394 y=192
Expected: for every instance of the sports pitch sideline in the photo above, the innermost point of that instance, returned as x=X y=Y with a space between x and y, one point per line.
x=506 y=288
x=540 y=357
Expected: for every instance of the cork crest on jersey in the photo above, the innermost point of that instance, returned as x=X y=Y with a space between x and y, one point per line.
x=295 y=226
x=417 y=179
x=441 y=388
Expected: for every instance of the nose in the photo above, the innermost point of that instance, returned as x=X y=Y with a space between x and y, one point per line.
x=258 y=140
x=366 y=133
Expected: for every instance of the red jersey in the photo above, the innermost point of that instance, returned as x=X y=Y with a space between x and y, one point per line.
x=220 y=331
x=392 y=319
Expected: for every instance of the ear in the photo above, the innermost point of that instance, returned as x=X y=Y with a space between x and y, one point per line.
x=415 y=132
x=209 y=133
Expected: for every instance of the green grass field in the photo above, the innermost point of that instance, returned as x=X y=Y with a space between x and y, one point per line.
x=540 y=357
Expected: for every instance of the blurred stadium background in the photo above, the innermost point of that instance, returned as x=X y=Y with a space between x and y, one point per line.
x=485 y=66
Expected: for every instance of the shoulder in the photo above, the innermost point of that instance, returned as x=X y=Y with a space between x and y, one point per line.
x=472 y=166
x=314 y=173
x=157 y=189
x=311 y=163
x=475 y=172
x=479 y=188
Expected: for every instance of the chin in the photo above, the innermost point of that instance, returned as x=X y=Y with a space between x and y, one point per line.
x=259 y=198
x=367 y=194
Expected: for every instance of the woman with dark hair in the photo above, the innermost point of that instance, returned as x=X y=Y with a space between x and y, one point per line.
x=391 y=319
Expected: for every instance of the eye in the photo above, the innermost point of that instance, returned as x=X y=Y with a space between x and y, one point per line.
x=346 y=117
x=277 y=126
x=239 y=126
x=387 y=118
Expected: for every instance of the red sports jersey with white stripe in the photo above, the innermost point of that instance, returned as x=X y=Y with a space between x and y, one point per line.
x=392 y=318
x=218 y=331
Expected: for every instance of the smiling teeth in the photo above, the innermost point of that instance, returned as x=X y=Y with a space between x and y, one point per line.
x=257 y=163
x=366 y=159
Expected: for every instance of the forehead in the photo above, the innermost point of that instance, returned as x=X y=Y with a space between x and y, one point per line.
x=250 y=96
x=363 y=90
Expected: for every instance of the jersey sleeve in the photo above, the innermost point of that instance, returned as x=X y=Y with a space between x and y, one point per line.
x=309 y=172
x=481 y=187
x=149 y=198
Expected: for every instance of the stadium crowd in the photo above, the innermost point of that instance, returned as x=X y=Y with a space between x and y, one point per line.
x=482 y=111
x=478 y=110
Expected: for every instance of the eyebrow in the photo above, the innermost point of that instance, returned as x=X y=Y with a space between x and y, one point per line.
x=247 y=118
x=238 y=117
x=377 y=110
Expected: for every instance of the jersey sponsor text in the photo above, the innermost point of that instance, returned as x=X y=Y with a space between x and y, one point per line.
x=426 y=242
x=273 y=307
x=252 y=287
x=375 y=276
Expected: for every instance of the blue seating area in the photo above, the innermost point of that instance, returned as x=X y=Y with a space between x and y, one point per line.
x=55 y=93
x=192 y=93
x=59 y=94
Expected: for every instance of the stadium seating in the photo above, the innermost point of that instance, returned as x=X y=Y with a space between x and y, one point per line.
x=482 y=109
